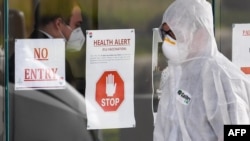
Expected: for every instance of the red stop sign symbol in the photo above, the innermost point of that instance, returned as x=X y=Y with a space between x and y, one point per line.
x=110 y=91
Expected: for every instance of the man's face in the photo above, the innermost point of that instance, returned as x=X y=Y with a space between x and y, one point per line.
x=76 y=18
x=66 y=30
x=75 y=22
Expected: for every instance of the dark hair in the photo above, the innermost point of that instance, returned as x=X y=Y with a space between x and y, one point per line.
x=47 y=11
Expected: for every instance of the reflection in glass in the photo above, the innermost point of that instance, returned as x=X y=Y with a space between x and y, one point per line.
x=2 y=92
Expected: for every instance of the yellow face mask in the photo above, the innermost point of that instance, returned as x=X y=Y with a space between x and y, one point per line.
x=169 y=48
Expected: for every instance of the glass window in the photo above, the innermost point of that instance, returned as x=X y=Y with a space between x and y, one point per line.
x=56 y=114
x=2 y=70
x=53 y=115
x=229 y=12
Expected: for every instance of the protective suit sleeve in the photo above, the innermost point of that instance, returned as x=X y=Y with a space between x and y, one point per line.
x=225 y=98
x=160 y=124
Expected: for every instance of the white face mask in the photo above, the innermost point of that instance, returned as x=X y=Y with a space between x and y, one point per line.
x=76 y=40
x=170 y=49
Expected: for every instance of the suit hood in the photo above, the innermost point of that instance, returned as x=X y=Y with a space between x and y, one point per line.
x=192 y=23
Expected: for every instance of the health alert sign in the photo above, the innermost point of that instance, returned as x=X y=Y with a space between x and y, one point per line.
x=110 y=78
x=241 y=47
x=39 y=64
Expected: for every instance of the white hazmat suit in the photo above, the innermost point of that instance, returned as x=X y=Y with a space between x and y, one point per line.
x=202 y=90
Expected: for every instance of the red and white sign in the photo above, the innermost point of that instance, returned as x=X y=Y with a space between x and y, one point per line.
x=39 y=64
x=110 y=91
x=110 y=78
x=241 y=47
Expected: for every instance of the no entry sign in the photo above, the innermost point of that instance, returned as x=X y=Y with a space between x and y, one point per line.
x=110 y=91
x=42 y=65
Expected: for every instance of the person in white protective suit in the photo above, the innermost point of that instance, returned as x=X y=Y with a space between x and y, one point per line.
x=201 y=89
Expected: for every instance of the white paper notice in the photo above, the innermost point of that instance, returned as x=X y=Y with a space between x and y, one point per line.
x=39 y=64
x=110 y=78
x=241 y=47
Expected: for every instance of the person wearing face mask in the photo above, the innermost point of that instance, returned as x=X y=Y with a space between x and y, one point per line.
x=77 y=38
x=56 y=20
x=75 y=50
x=60 y=22
x=49 y=23
x=201 y=89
